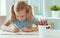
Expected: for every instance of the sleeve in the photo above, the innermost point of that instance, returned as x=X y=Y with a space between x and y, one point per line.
x=11 y=25
x=34 y=20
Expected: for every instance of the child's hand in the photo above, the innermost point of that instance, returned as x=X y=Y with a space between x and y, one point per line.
x=35 y=28
x=15 y=29
x=27 y=30
x=30 y=29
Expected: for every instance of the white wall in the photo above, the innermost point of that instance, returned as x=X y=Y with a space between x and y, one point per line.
x=2 y=19
x=8 y=6
x=56 y=2
x=48 y=3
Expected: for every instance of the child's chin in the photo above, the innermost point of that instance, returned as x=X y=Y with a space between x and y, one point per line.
x=21 y=19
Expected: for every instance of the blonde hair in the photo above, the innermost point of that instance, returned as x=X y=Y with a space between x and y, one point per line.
x=22 y=5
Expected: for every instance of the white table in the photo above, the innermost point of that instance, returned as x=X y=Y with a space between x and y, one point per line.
x=50 y=34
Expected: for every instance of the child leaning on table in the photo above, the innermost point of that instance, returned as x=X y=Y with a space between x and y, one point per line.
x=22 y=18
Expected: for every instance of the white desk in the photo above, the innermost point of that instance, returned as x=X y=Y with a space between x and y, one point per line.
x=51 y=34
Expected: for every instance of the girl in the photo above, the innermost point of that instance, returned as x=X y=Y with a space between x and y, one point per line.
x=21 y=18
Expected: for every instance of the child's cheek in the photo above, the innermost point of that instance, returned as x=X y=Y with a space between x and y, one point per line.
x=24 y=18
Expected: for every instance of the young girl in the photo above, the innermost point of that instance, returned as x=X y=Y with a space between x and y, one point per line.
x=21 y=18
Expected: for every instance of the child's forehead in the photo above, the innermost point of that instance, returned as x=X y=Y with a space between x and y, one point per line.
x=20 y=13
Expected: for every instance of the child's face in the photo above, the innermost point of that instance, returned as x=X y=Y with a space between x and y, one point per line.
x=21 y=15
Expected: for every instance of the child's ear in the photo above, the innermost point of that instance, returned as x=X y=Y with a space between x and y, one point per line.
x=13 y=17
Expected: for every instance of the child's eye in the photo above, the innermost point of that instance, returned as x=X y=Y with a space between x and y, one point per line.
x=17 y=16
x=22 y=16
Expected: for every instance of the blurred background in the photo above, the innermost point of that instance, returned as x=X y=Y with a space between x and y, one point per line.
x=41 y=9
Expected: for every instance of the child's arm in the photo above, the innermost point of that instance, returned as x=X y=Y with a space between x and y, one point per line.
x=7 y=23
x=5 y=26
x=32 y=29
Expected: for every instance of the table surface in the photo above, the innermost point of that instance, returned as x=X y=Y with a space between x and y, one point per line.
x=49 y=34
